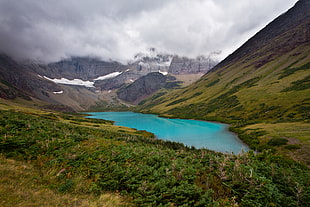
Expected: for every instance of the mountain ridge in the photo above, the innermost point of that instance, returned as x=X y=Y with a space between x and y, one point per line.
x=83 y=82
x=51 y=158
x=299 y=13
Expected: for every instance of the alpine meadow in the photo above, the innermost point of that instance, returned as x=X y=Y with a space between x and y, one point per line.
x=51 y=154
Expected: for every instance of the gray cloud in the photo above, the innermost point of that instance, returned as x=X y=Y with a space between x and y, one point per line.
x=49 y=30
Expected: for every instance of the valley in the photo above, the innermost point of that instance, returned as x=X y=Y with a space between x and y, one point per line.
x=52 y=155
x=84 y=82
x=265 y=82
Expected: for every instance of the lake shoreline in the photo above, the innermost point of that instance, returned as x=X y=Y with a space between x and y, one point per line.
x=200 y=134
x=205 y=120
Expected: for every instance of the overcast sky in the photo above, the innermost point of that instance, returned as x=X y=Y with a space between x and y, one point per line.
x=49 y=30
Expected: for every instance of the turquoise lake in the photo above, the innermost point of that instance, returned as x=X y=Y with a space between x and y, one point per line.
x=200 y=134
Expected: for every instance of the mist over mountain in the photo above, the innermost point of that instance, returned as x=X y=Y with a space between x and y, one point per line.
x=52 y=156
x=81 y=82
x=48 y=31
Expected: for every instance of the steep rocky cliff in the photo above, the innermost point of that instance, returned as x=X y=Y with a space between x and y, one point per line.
x=184 y=65
x=151 y=61
x=83 y=68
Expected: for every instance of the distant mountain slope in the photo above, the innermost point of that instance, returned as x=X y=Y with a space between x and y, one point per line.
x=17 y=79
x=282 y=35
x=269 y=74
x=184 y=65
x=21 y=81
x=266 y=80
x=154 y=61
x=81 y=82
x=83 y=68
x=146 y=86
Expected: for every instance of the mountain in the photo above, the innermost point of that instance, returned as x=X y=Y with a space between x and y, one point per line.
x=184 y=65
x=154 y=61
x=84 y=68
x=62 y=159
x=19 y=81
x=265 y=81
x=146 y=86
x=82 y=82
x=151 y=61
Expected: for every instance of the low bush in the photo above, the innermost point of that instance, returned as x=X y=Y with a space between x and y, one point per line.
x=147 y=171
x=292 y=146
x=277 y=141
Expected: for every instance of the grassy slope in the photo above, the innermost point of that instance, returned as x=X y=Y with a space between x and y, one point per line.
x=26 y=183
x=249 y=92
x=22 y=184
x=56 y=159
x=266 y=87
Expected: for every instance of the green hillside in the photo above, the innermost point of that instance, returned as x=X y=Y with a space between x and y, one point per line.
x=50 y=158
x=277 y=91
x=59 y=159
x=265 y=81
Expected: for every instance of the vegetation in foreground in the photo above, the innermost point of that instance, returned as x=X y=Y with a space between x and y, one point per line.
x=56 y=159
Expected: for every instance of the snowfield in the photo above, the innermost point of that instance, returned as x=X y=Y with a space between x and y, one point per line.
x=164 y=73
x=58 y=92
x=79 y=82
x=111 y=75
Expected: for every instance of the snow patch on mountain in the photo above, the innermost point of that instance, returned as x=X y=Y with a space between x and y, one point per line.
x=58 y=92
x=111 y=75
x=164 y=73
x=78 y=82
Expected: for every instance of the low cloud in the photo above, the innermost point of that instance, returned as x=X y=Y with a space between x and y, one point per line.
x=50 y=30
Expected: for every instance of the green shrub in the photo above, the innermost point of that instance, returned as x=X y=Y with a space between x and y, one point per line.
x=299 y=85
x=148 y=171
x=277 y=141
x=288 y=71
x=212 y=83
x=292 y=146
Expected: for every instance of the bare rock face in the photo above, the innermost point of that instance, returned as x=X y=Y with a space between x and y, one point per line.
x=19 y=81
x=151 y=61
x=117 y=82
x=80 y=68
x=145 y=86
x=184 y=65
